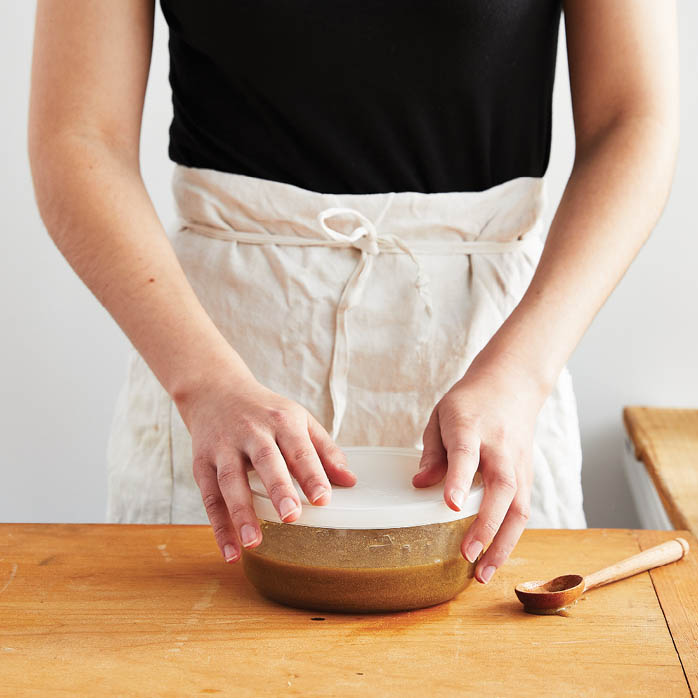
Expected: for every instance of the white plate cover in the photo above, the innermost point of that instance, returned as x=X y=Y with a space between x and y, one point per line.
x=383 y=496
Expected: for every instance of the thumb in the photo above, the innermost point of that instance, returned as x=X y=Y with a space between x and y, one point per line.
x=434 y=463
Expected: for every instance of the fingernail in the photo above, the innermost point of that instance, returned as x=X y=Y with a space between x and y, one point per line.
x=340 y=466
x=286 y=507
x=487 y=573
x=473 y=550
x=229 y=553
x=457 y=498
x=318 y=493
x=248 y=535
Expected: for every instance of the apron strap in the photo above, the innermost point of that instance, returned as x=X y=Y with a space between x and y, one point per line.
x=365 y=238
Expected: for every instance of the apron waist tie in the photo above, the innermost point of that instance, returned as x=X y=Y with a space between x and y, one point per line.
x=365 y=238
x=370 y=243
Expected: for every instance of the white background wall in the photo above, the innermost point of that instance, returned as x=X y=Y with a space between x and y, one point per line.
x=62 y=358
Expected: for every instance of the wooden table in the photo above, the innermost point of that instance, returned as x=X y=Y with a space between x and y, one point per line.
x=666 y=441
x=102 y=610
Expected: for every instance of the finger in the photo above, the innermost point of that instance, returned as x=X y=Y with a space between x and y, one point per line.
x=500 y=487
x=507 y=537
x=333 y=460
x=463 y=453
x=304 y=463
x=433 y=463
x=271 y=467
x=217 y=512
x=231 y=475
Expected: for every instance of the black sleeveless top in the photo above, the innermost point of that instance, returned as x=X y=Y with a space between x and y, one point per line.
x=340 y=96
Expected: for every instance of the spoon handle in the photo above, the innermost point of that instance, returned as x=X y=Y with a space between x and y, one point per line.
x=656 y=556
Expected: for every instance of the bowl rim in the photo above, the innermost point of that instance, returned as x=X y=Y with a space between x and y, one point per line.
x=406 y=514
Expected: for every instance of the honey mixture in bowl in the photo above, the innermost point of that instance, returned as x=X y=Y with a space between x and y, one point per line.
x=360 y=570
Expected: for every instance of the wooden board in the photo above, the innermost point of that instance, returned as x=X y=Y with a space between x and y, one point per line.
x=153 y=611
x=679 y=602
x=666 y=441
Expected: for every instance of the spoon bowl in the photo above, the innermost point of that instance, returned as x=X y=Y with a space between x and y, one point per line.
x=551 y=596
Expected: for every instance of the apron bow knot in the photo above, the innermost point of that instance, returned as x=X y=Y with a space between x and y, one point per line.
x=365 y=238
x=368 y=241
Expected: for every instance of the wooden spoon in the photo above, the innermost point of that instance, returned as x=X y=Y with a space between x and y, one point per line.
x=551 y=597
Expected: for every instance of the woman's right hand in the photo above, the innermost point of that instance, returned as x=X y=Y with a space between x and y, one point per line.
x=250 y=426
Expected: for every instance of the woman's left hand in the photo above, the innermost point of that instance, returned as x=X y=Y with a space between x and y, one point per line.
x=485 y=422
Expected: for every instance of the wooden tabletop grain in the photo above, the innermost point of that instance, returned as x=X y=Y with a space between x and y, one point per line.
x=117 y=610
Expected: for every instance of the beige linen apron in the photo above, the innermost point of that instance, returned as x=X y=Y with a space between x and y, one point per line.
x=364 y=308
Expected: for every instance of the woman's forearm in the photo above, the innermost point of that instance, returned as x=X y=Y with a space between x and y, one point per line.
x=617 y=189
x=98 y=212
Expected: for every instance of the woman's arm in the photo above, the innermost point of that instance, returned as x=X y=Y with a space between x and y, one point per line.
x=89 y=74
x=624 y=80
x=623 y=64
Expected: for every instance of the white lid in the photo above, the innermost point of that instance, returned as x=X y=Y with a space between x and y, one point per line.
x=383 y=496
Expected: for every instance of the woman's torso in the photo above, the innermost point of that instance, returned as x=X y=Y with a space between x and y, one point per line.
x=342 y=97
